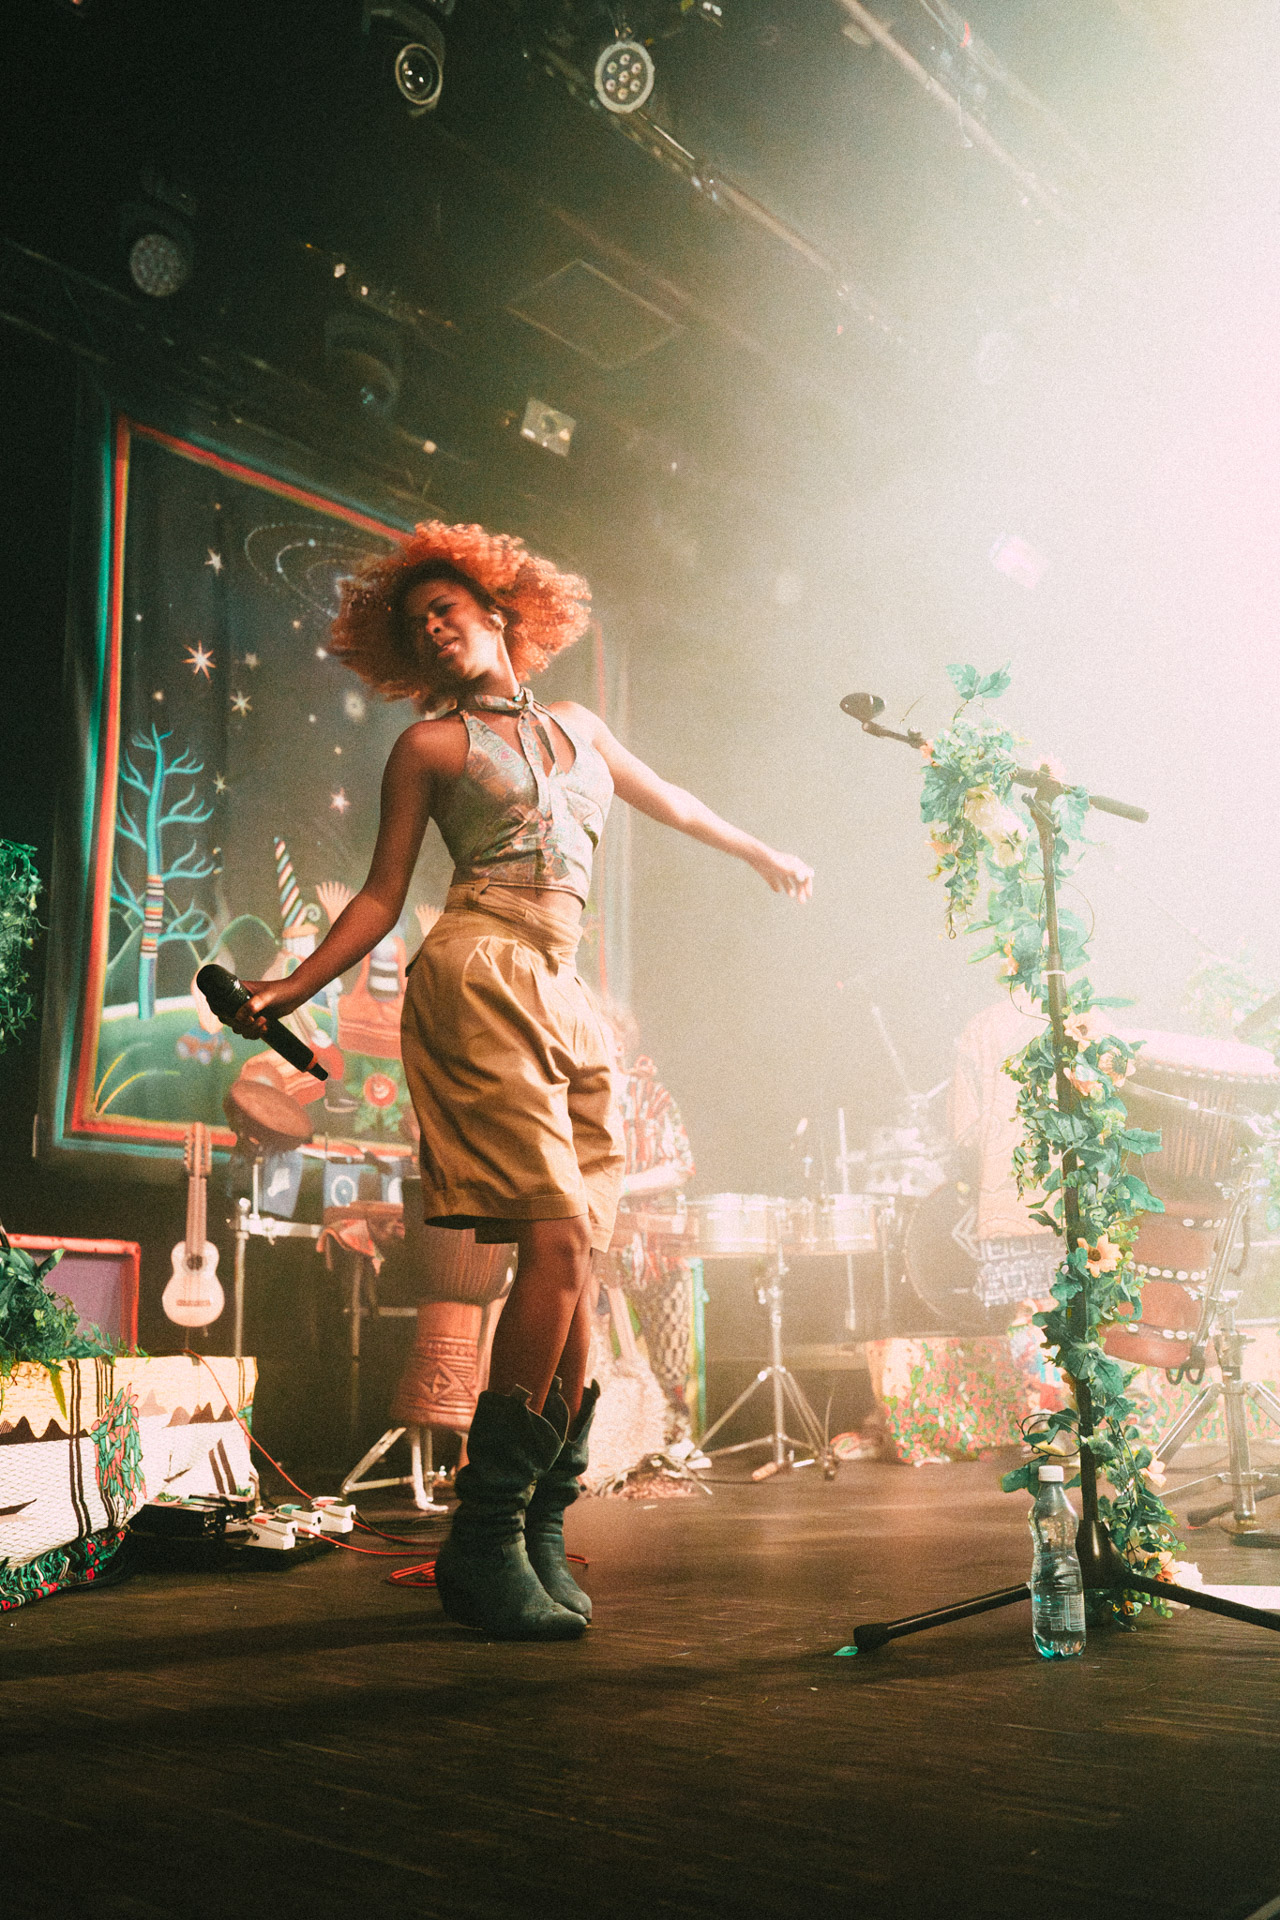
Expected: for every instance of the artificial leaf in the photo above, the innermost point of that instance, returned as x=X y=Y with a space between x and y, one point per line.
x=964 y=680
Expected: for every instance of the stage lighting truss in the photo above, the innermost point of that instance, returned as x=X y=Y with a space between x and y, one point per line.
x=624 y=76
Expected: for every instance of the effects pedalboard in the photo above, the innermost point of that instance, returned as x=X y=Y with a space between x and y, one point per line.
x=224 y=1528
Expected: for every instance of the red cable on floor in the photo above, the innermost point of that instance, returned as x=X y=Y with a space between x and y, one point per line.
x=402 y=1575
x=332 y=1539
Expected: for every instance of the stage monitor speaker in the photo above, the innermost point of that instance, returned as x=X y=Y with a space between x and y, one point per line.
x=99 y=1277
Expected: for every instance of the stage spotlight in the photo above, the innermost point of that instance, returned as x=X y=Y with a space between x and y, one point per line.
x=417 y=51
x=624 y=76
x=420 y=76
x=156 y=235
x=364 y=359
x=160 y=263
x=547 y=428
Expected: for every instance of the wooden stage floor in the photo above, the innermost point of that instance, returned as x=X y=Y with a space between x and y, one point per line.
x=313 y=1741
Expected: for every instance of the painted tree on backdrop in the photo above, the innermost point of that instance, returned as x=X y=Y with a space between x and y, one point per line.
x=978 y=837
x=149 y=909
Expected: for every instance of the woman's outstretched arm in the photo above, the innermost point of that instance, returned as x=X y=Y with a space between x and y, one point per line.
x=673 y=806
x=407 y=792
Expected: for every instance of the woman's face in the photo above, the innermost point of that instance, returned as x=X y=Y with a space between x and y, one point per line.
x=454 y=639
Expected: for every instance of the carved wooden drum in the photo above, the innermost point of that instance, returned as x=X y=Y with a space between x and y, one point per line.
x=1212 y=1082
x=457 y=1280
x=1223 y=1079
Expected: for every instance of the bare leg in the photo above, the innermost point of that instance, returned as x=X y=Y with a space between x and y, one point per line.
x=542 y=1325
x=573 y=1360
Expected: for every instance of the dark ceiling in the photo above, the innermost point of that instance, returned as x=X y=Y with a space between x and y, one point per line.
x=766 y=283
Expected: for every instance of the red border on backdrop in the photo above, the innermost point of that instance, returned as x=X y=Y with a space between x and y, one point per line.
x=127 y=1251
x=82 y=1120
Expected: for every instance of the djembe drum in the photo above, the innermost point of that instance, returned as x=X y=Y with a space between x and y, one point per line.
x=1212 y=1083
x=457 y=1280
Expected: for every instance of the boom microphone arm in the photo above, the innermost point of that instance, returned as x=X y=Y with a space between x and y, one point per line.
x=866 y=707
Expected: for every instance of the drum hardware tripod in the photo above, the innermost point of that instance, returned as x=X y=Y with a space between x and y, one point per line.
x=421 y=1477
x=1218 y=1323
x=1101 y=1565
x=786 y=1390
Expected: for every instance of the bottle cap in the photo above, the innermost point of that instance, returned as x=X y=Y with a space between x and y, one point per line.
x=1045 y=1472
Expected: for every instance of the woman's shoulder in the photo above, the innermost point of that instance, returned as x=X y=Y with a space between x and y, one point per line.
x=426 y=737
x=580 y=718
x=434 y=745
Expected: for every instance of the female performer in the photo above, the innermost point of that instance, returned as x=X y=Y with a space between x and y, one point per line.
x=507 y=1066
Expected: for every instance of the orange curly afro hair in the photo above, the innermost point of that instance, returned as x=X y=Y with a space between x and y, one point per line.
x=544 y=609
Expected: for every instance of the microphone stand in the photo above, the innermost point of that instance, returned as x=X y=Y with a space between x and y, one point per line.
x=1103 y=1568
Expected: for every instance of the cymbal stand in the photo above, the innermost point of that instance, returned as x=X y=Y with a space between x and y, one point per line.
x=842 y=1161
x=1103 y=1568
x=250 y=1223
x=786 y=1391
x=1218 y=1323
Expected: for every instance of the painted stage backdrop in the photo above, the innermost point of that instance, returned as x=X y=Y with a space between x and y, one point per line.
x=233 y=778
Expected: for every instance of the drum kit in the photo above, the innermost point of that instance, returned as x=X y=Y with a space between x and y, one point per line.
x=754 y=1226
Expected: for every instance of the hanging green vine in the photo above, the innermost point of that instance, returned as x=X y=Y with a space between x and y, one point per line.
x=19 y=890
x=981 y=838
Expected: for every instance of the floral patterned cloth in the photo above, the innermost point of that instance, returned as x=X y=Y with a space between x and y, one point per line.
x=952 y=1398
x=662 y=1288
x=944 y=1398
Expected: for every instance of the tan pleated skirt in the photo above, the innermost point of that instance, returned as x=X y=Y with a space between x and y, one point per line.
x=509 y=1070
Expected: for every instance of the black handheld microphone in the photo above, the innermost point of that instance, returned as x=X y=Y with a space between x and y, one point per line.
x=226 y=996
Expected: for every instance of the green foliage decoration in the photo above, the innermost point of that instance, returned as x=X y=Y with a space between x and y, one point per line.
x=37 y=1325
x=19 y=890
x=981 y=839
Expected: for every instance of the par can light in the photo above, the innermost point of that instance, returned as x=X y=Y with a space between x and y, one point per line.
x=159 y=264
x=624 y=76
x=419 y=74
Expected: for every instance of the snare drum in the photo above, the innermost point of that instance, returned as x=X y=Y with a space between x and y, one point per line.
x=838 y=1223
x=733 y=1225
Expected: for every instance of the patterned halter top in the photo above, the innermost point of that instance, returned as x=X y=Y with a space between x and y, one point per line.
x=507 y=820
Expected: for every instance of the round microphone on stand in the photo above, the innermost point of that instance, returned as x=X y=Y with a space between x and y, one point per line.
x=862 y=706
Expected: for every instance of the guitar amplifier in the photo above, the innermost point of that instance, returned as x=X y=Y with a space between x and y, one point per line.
x=99 y=1277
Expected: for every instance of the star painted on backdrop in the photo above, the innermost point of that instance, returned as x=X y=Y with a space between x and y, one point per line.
x=199 y=660
x=322 y=653
x=157 y=695
x=241 y=703
x=214 y=560
x=219 y=783
x=297 y=625
x=251 y=661
x=339 y=801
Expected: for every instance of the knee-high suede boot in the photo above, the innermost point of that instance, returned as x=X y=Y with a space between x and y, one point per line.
x=483 y=1573
x=557 y=1489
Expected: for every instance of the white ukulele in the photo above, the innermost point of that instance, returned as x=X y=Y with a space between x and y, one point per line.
x=193 y=1296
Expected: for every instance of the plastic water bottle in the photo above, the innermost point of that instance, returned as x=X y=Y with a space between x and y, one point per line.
x=1057 y=1590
